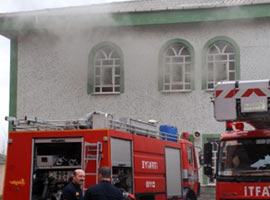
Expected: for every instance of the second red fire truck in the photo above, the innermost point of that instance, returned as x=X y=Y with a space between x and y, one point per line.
x=151 y=165
x=243 y=160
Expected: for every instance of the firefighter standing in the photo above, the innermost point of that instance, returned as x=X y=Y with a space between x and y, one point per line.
x=73 y=191
x=104 y=190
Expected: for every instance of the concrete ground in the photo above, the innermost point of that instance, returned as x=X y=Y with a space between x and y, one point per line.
x=207 y=193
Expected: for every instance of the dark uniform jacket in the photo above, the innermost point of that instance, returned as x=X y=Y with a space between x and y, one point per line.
x=72 y=192
x=103 y=191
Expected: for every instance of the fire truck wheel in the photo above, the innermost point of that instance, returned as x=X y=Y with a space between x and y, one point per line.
x=190 y=195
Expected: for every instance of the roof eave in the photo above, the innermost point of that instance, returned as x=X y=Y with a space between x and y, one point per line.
x=20 y=22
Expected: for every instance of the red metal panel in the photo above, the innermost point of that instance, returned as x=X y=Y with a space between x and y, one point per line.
x=148 y=184
x=18 y=167
x=150 y=145
x=149 y=167
x=145 y=163
x=242 y=190
x=120 y=134
x=58 y=133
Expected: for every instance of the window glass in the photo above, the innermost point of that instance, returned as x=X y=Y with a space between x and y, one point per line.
x=176 y=68
x=238 y=158
x=107 y=70
x=221 y=63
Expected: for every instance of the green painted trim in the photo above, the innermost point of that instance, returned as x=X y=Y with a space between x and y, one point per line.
x=192 y=15
x=204 y=55
x=160 y=61
x=91 y=75
x=204 y=140
x=191 y=138
x=28 y=22
x=13 y=78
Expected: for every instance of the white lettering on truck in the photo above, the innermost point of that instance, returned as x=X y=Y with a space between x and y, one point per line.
x=263 y=191
x=150 y=184
x=149 y=164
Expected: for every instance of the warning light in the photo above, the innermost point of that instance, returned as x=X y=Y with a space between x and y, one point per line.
x=239 y=126
x=185 y=135
x=229 y=126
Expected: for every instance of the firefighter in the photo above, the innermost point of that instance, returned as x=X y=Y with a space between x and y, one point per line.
x=73 y=190
x=104 y=190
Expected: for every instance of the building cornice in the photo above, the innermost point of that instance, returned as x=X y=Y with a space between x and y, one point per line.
x=11 y=24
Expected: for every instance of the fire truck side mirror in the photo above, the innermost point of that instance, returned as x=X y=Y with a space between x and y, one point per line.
x=208 y=171
x=207 y=153
x=207 y=159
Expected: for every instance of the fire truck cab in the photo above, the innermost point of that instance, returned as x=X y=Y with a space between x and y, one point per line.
x=145 y=162
x=243 y=158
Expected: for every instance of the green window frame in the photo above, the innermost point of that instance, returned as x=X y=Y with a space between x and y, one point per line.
x=105 y=69
x=220 y=54
x=176 y=66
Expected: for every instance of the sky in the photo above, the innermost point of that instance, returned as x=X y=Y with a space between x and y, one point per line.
x=18 y=6
x=4 y=91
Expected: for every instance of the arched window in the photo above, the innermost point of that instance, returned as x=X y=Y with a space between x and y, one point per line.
x=176 y=67
x=222 y=62
x=106 y=70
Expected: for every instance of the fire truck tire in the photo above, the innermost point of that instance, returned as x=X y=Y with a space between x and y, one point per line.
x=189 y=195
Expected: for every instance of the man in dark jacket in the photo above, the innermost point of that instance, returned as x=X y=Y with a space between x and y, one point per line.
x=73 y=190
x=104 y=190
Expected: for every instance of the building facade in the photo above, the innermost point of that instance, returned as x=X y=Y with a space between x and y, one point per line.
x=143 y=59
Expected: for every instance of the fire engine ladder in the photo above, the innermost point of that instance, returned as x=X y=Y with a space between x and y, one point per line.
x=33 y=123
x=93 y=152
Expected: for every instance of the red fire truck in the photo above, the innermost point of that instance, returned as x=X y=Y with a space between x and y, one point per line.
x=151 y=165
x=243 y=159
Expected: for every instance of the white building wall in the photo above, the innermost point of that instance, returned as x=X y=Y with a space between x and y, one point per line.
x=52 y=71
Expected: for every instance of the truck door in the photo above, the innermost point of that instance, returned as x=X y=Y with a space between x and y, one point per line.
x=173 y=173
x=191 y=173
x=121 y=160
